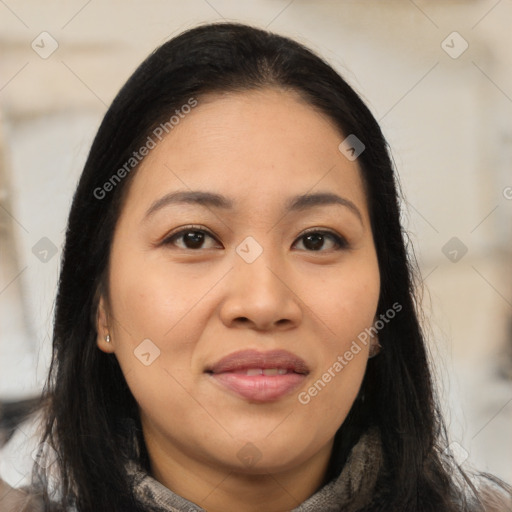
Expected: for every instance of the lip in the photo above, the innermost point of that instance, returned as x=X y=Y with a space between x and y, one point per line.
x=231 y=373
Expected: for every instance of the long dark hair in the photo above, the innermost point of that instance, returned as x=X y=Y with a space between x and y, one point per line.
x=89 y=408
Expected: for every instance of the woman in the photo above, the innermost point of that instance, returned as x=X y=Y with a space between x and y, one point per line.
x=235 y=324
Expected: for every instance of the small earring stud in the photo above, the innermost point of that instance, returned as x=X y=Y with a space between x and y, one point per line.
x=107 y=338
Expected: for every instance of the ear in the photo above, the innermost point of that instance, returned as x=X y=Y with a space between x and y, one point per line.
x=102 y=328
x=375 y=347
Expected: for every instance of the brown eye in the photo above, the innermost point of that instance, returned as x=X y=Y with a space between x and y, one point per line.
x=318 y=240
x=192 y=239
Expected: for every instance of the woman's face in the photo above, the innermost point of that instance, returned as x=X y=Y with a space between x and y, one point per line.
x=242 y=270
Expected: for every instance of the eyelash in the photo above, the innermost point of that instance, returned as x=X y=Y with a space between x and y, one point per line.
x=339 y=241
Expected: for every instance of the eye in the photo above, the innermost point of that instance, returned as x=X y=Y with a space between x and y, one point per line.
x=192 y=238
x=316 y=240
x=195 y=238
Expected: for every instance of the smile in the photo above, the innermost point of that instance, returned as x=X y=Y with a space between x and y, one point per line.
x=259 y=376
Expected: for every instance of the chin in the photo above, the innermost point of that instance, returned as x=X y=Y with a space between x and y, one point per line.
x=263 y=454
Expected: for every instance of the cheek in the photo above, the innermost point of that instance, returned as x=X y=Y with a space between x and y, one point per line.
x=346 y=305
x=347 y=301
x=151 y=299
x=149 y=307
x=158 y=320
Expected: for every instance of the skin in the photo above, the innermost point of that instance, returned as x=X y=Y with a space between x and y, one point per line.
x=198 y=305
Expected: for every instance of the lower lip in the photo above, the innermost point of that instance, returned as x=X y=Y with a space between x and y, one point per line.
x=260 y=388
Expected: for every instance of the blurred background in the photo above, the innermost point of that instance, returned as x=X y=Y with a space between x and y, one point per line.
x=437 y=74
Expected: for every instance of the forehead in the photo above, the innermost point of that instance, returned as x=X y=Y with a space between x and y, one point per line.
x=257 y=146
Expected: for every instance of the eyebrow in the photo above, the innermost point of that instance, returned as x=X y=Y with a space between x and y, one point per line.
x=218 y=201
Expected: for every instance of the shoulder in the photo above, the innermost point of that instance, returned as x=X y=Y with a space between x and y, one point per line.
x=26 y=499
x=494 y=494
x=16 y=500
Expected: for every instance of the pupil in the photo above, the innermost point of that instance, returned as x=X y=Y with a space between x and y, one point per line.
x=316 y=241
x=194 y=239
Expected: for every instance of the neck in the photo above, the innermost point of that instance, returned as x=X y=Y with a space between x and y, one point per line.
x=218 y=489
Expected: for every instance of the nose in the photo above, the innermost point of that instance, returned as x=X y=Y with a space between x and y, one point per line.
x=260 y=296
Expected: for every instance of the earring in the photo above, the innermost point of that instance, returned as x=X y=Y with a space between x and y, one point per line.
x=107 y=338
x=374 y=350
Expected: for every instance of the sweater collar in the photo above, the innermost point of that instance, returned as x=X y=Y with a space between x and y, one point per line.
x=350 y=491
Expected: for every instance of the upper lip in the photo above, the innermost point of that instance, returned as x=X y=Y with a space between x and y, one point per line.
x=248 y=359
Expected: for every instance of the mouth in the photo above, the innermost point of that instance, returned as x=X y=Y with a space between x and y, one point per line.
x=259 y=376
